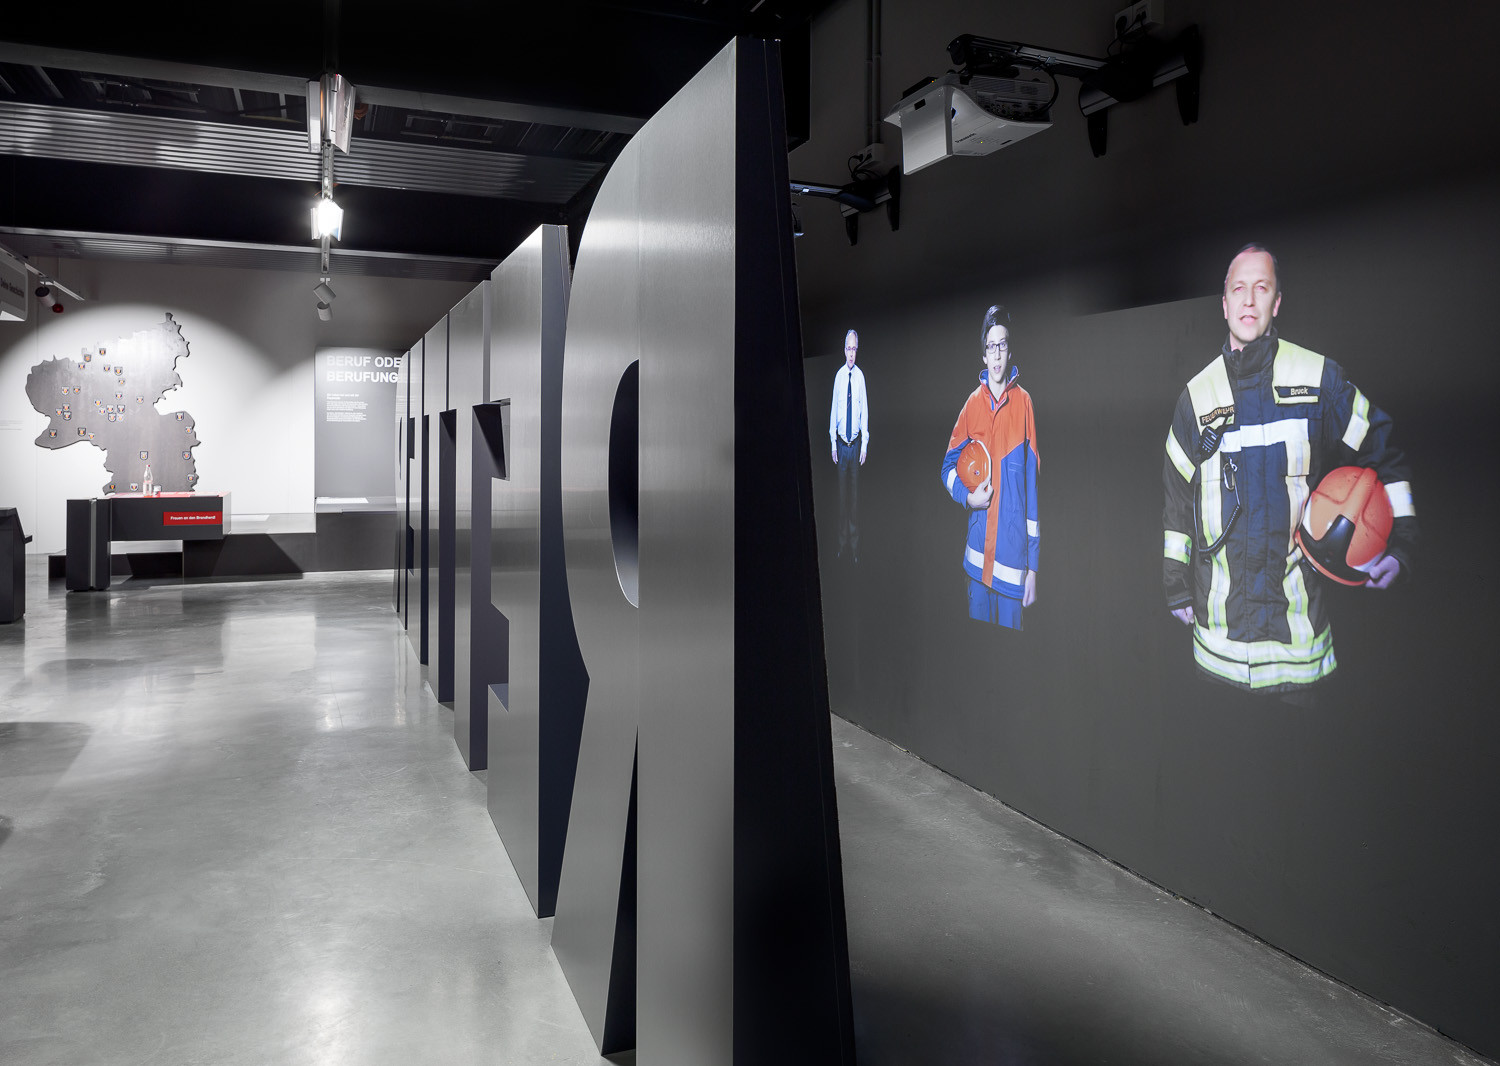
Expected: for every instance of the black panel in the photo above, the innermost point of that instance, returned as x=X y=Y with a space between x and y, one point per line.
x=145 y=517
x=249 y=556
x=425 y=549
x=487 y=653
x=12 y=566
x=563 y=678
x=447 y=549
x=619 y=1016
x=88 y=535
x=791 y=988
x=352 y=540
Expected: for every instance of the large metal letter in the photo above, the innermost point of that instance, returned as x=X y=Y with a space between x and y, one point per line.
x=416 y=502
x=437 y=632
x=535 y=719
x=468 y=370
x=403 y=511
x=594 y=933
x=686 y=266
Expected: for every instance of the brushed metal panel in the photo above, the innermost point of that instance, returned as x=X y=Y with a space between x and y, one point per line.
x=468 y=360
x=515 y=555
x=534 y=730
x=602 y=343
x=685 y=793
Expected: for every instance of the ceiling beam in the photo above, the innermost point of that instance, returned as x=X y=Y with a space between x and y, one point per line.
x=193 y=74
x=76 y=244
x=88 y=136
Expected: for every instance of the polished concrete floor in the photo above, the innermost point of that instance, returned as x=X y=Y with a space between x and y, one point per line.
x=234 y=829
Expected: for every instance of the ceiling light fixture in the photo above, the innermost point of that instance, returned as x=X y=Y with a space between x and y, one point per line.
x=48 y=298
x=330 y=112
x=327 y=219
x=330 y=123
x=325 y=294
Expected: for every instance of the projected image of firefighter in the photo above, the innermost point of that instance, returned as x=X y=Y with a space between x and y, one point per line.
x=1280 y=475
x=990 y=469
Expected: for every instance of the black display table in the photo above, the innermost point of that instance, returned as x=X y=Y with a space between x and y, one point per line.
x=13 y=541
x=93 y=524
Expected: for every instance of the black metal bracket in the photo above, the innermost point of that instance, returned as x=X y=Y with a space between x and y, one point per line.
x=858 y=198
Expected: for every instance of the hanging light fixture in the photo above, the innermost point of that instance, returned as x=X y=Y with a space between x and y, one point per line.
x=330 y=123
x=327 y=219
x=325 y=294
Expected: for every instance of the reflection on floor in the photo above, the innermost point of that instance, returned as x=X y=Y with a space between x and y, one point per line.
x=234 y=828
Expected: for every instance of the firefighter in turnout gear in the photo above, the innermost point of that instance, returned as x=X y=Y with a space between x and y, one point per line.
x=1252 y=436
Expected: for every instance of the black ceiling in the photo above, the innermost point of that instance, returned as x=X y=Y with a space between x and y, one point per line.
x=607 y=64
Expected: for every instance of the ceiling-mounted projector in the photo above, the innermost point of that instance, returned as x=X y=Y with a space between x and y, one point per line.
x=952 y=115
x=1005 y=91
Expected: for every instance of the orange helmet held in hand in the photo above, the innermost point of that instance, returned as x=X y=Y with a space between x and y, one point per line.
x=1346 y=524
x=974 y=465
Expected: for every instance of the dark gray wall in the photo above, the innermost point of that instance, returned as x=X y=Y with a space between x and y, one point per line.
x=355 y=391
x=1353 y=835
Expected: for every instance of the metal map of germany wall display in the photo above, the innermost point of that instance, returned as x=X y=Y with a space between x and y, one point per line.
x=108 y=396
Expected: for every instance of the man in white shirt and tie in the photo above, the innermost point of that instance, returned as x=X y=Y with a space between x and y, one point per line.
x=848 y=436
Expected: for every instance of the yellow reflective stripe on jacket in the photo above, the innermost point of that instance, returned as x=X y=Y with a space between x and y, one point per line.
x=1177 y=546
x=1399 y=493
x=1211 y=515
x=1179 y=457
x=1263 y=652
x=1265 y=675
x=1294 y=588
x=1298 y=466
x=1296 y=366
x=1359 y=421
x=1265 y=663
x=1209 y=390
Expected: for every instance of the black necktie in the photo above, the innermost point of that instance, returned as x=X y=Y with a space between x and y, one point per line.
x=849 y=408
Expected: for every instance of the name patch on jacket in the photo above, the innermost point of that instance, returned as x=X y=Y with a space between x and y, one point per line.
x=1296 y=392
x=1226 y=413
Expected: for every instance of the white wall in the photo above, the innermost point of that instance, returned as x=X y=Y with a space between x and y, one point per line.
x=248 y=380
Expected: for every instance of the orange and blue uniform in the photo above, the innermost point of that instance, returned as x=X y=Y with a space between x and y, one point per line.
x=1004 y=538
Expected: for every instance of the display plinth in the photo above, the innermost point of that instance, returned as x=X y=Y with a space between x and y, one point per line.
x=94 y=524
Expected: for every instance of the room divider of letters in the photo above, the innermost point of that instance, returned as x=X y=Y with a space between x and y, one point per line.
x=605 y=559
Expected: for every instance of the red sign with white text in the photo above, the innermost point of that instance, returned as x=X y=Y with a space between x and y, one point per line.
x=192 y=518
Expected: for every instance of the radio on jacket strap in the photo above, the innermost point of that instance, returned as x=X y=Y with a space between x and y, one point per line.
x=1208 y=443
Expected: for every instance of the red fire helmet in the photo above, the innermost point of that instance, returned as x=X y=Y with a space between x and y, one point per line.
x=974 y=465
x=1346 y=524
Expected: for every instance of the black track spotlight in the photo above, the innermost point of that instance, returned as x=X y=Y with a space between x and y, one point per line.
x=325 y=294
